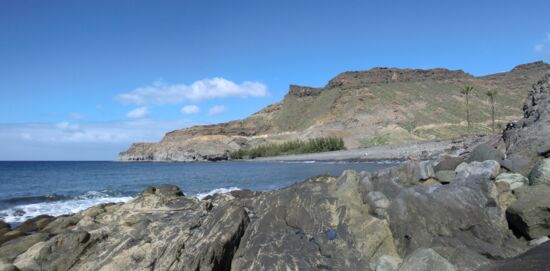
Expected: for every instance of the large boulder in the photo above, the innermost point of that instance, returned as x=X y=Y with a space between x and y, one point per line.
x=318 y=224
x=525 y=138
x=461 y=218
x=515 y=180
x=487 y=169
x=529 y=215
x=447 y=162
x=483 y=152
x=540 y=173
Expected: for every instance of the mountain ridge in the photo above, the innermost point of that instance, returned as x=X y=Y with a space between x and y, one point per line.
x=373 y=107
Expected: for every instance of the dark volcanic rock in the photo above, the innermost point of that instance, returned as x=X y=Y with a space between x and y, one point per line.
x=525 y=138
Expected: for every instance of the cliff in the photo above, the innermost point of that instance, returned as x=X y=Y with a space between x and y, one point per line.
x=366 y=108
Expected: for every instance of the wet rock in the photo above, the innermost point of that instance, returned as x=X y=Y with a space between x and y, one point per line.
x=485 y=152
x=529 y=216
x=487 y=169
x=515 y=180
x=445 y=176
x=4 y=227
x=426 y=259
x=540 y=173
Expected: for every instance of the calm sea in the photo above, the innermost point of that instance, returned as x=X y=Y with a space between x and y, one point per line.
x=28 y=189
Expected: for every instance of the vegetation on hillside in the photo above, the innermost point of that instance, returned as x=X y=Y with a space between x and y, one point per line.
x=321 y=144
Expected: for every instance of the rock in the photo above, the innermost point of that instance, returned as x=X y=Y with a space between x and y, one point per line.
x=505 y=197
x=378 y=203
x=4 y=228
x=517 y=164
x=35 y=224
x=386 y=263
x=535 y=259
x=11 y=249
x=529 y=215
x=515 y=180
x=486 y=169
x=525 y=139
x=445 y=176
x=448 y=162
x=538 y=241
x=318 y=224
x=423 y=171
x=426 y=259
x=485 y=152
x=540 y=173
x=464 y=216
x=8 y=267
x=544 y=150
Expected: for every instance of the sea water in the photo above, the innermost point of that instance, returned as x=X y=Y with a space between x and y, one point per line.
x=29 y=189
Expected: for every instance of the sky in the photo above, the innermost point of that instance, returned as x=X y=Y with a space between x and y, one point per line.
x=82 y=80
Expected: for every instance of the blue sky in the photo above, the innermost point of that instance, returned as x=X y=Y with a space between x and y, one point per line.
x=81 y=80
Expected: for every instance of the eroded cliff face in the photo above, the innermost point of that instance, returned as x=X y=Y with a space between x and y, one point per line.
x=365 y=108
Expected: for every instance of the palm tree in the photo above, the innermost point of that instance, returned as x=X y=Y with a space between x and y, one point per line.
x=467 y=90
x=492 y=95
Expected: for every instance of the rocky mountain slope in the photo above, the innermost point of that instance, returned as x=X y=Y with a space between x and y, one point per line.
x=466 y=212
x=366 y=108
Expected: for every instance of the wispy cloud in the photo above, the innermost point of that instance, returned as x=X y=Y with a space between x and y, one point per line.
x=160 y=93
x=215 y=110
x=190 y=109
x=139 y=112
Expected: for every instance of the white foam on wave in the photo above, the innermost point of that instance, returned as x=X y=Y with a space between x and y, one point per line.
x=21 y=213
x=216 y=191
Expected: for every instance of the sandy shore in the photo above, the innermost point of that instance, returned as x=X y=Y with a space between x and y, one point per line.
x=420 y=150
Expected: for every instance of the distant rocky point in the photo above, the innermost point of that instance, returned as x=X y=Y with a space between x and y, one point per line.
x=365 y=108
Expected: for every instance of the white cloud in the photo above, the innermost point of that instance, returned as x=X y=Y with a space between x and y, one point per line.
x=67 y=126
x=190 y=109
x=215 y=110
x=160 y=93
x=139 y=112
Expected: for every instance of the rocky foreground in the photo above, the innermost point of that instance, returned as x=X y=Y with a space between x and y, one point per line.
x=487 y=209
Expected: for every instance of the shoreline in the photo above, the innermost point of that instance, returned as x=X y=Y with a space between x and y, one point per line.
x=394 y=152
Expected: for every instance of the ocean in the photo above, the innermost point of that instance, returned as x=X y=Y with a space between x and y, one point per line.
x=29 y=189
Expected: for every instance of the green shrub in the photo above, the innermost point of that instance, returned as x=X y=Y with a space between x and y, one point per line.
x=321 y=144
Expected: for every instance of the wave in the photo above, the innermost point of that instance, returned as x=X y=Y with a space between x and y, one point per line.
x=64 y=205
x=216 y=191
